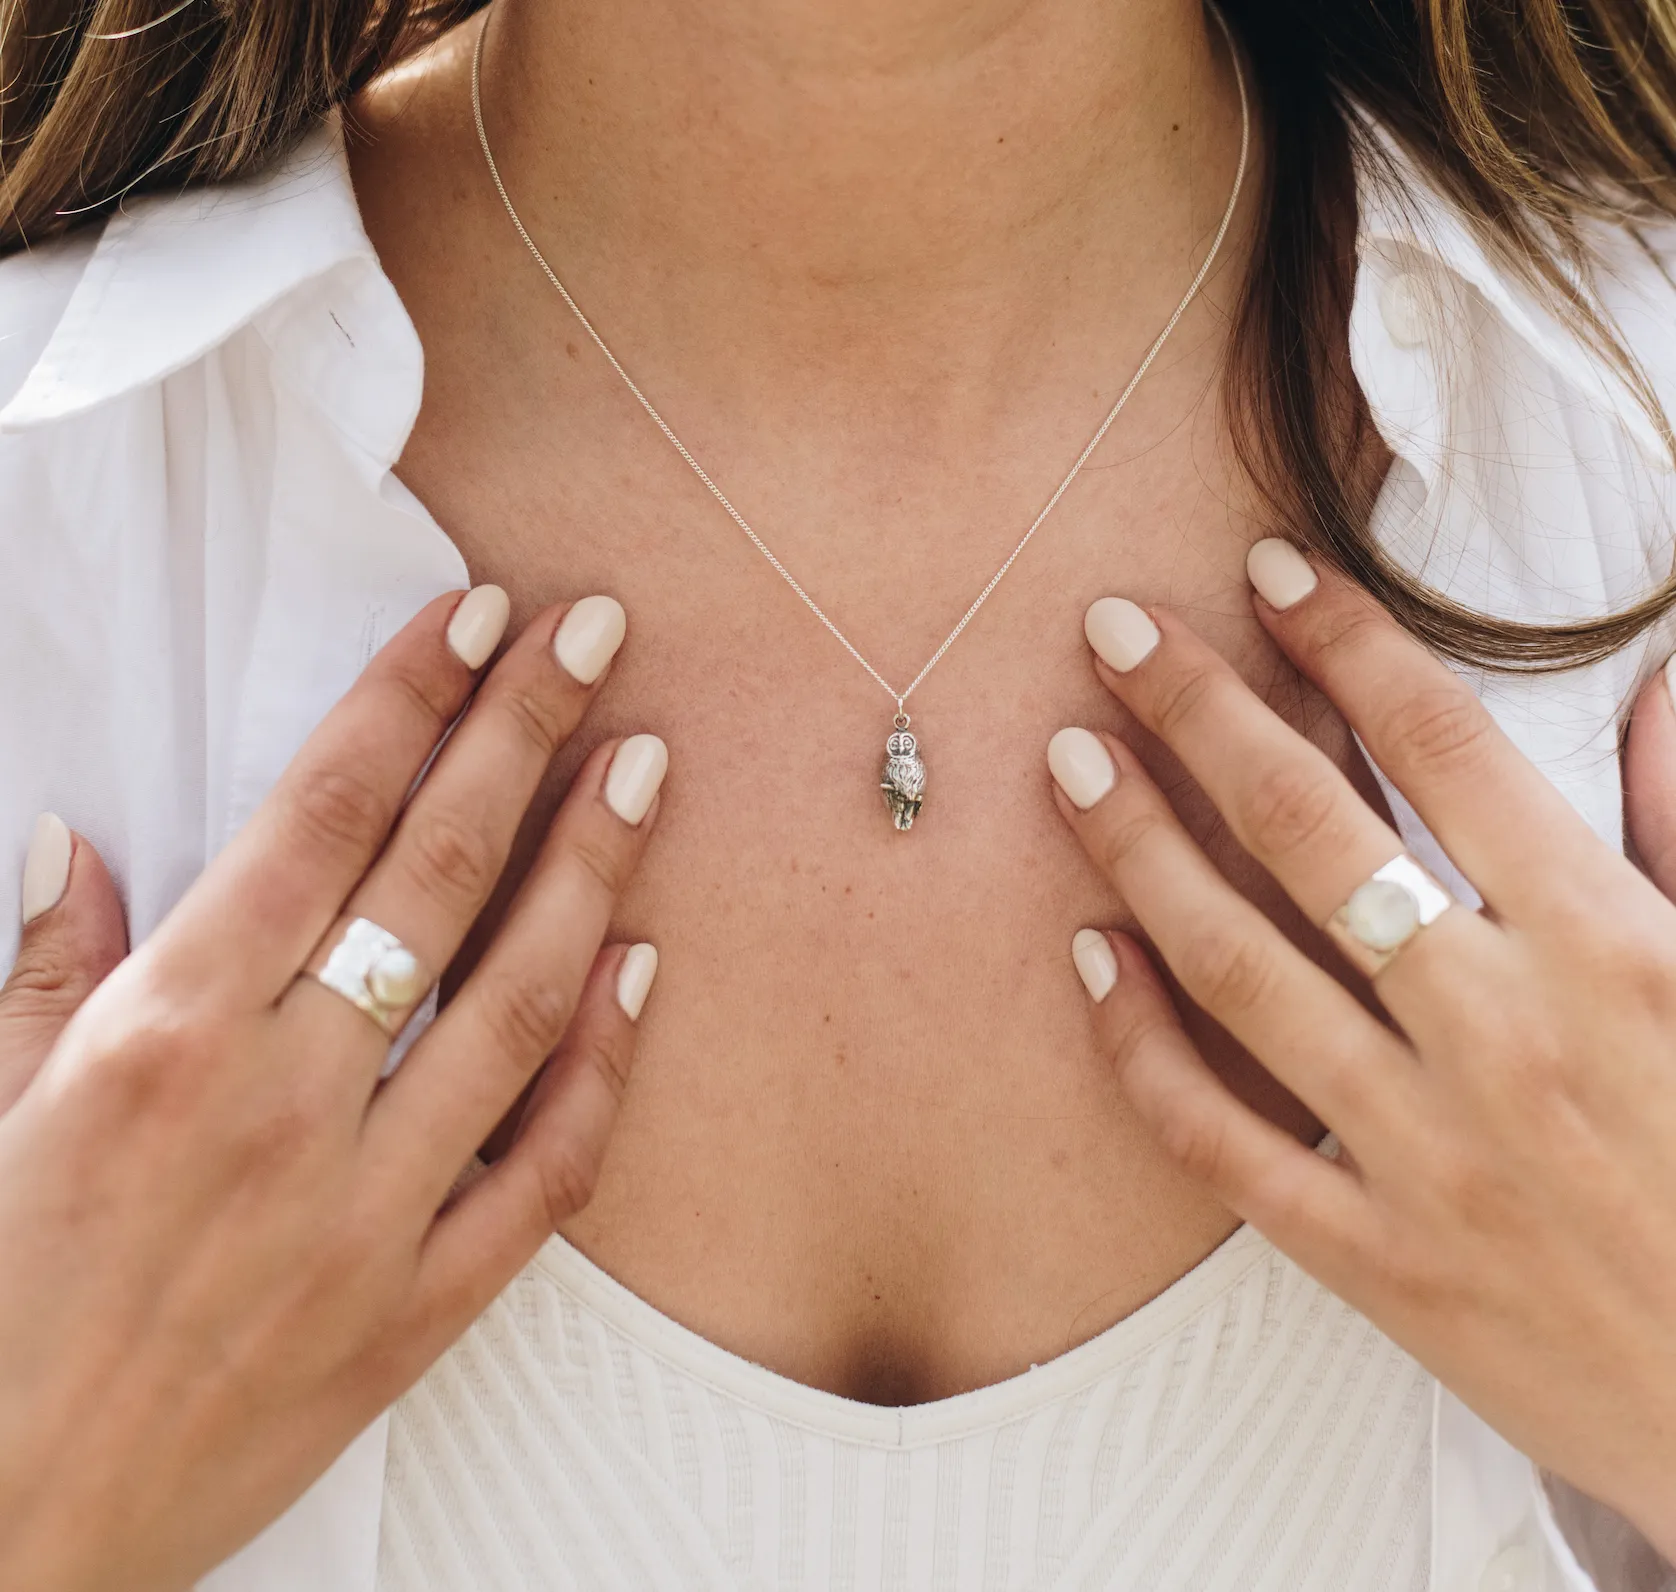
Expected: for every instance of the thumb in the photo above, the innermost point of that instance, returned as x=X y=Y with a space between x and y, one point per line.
x=74 y=933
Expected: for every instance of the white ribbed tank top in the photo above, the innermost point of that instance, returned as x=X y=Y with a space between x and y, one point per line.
x=1245 y=1431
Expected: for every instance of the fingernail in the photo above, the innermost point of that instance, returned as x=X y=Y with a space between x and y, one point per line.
x=478 y=624
x=634 y=776
x=588 y=637
x=1096 y=962
x=1081 y=766
x=46 y=866
x=1280 y=572
x=634 y=978
x=1120 y=631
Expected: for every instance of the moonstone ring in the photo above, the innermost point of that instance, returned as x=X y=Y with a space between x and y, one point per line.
x=371 y=969
x=1385 y=912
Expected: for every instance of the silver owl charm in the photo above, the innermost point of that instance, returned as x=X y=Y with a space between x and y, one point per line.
x=904 y=779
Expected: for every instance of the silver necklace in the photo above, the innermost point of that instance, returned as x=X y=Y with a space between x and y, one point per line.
x=903 y=781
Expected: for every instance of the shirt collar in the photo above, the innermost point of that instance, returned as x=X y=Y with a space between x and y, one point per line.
x=1403 y=216
x=176 y=275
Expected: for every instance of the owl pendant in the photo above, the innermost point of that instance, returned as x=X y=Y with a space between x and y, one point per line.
x=904 y=779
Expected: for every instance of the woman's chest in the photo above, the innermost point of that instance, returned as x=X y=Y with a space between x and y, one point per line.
x=869 y=1141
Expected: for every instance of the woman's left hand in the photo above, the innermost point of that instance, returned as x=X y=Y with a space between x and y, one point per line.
x=1507 y=1211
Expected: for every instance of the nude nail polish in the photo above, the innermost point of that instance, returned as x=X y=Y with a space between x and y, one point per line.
x=588 y=637
x=1122 y=632
x=636 y=771
x=46 y=866
x=1081 y=766
x=1280 y=572
x=478 y=624
x=1095 y=961
x=634 y=978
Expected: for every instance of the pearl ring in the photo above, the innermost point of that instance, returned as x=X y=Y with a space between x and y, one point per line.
x=372 y=970
x=1385 y=912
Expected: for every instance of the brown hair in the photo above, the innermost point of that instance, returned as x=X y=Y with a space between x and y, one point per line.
x=1530 y=114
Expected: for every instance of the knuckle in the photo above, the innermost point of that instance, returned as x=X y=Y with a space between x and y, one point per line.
x=527 y=1018
x=135 y=1072
x=1648 y=972
x=1289 y=809
x=1228 y=976
x=606 y=1058
x=1197 y=1141
x=1533 y=1067
x=567 y=1184
x=1121 y=836
x=161 y=1038
x=1178 y=697
x=1341 y=630
x=152 y=1069
x=338 y=810
x=288 y=1129
x=1441 y=729
x=1473 y=1196
x=1134 y=1039
x=427 y=695
x=451 y=858
x=1399 y=1268
x=1282 y=1197
x=1621 y=948
x=536 y=720
x=606 y=862
x=48 y=980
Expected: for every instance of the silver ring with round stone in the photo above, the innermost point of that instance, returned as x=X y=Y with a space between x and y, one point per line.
x=1385 y=912
x=372 y=970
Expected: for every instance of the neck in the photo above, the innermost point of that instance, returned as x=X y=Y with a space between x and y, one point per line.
x=857 y=173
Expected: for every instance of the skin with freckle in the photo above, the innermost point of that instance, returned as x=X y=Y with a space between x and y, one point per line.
x=868 y=1141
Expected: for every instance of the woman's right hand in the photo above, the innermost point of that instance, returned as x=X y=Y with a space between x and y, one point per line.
x=226 y=1246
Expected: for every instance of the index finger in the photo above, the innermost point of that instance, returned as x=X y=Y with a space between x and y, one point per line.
x=1489 y=806
x=259 y=909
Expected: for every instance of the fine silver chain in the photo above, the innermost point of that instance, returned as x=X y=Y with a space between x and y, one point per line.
x=899 y=697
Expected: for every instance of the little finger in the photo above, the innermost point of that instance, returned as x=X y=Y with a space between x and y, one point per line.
x=488 y=1232
x=1308 y=1206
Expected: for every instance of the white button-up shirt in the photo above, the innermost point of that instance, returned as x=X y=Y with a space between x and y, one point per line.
x=202 y=542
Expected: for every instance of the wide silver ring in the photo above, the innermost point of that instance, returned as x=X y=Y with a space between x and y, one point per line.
x=1385 y=912
x=372 y=970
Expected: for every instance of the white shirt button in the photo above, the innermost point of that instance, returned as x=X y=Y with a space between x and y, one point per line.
x=1515 y=1569
x=1405 y=307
